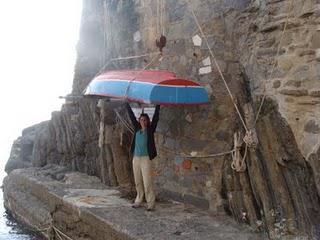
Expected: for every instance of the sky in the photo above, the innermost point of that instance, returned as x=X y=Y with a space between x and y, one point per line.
x=37 y=56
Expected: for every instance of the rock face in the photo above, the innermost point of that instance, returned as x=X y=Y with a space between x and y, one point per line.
x=279 y=190
x=21 y=155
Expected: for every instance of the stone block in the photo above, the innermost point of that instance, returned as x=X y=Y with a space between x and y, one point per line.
x=186 y=164
x=178 y=47
x=305 y=52
x=177 y=10
x=196 y=201
x=315 y=40
x=209 y=89
x=223 y=136
x=318 y=54
x=315 y=93
x=175 y=31
x=171 y=143
x=312 y=127
x=317 y=73
x=269 y=52
x=276 y=84
x=236 y=4
x=216 y=45
x=301 y=73
x=293 y=83
x=285 y=62
x=194 y=144
x=294 y=92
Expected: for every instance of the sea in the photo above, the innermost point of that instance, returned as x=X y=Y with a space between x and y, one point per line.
x=10 y=229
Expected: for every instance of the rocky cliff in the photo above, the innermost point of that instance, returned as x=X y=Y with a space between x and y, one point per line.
x=268 y=52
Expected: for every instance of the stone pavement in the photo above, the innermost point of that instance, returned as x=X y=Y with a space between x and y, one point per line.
x=83 y=208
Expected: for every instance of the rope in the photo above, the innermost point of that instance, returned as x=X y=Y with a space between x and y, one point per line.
x=137 y=56
x=162 y=16
x=44 y=231
x=219 y=70
x=104 y=31
x=210 y=155
x=158 y=19
x=124 y=58
x=59 y=233
x=290 y=8
x=124 y=122
x=127 y=90
x=139 y=72
x=238 y=162
x=250 y=140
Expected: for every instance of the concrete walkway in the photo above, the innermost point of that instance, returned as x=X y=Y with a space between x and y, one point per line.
x=83 y=208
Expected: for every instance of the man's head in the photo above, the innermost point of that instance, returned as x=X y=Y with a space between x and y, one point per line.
x=144 y=120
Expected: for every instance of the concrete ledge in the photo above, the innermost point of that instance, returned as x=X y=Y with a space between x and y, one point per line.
x=83 y=208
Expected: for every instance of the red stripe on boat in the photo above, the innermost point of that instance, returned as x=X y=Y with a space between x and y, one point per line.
x=149 y=76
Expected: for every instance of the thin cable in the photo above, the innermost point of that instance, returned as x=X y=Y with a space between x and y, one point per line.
x=275 y=62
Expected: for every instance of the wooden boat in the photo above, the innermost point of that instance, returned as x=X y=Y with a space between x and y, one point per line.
x=148 y=86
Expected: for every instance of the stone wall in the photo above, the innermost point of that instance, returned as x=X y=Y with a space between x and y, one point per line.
x=278 y=191
x=294 y=83
x=244 y=37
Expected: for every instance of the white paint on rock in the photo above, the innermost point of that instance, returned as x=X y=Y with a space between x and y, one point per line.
x=194 y=153
x=206 y=61
x=205 y=70
x=137 y=36
x=197 y=40
x=189 y=118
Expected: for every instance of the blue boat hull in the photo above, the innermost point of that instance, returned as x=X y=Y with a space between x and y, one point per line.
x=149 y=93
